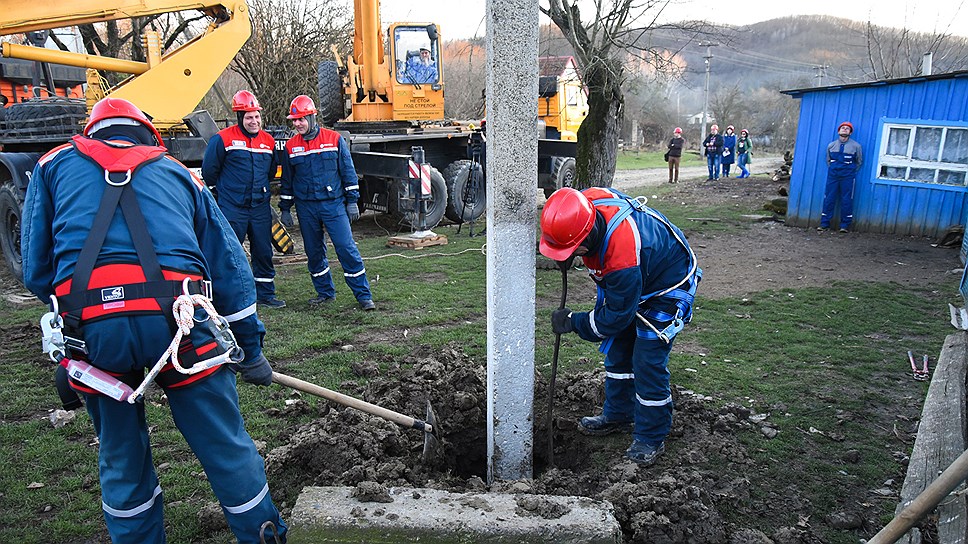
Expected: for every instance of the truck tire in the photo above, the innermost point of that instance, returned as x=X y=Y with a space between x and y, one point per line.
x=46 y=118
x=458 y=177
x=562 y=175
x=330 y=87
x=10 y=208
x=435 y=207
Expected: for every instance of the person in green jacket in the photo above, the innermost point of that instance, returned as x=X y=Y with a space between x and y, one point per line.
x=744 y=155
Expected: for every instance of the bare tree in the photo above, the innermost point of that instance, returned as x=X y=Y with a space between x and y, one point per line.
x=899 y=52
x=612 y=30
x=289 y=39
x=464 y=72
x=727 y=105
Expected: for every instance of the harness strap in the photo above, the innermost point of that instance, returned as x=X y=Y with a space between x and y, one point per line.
x=165 y=289
x=92 y=246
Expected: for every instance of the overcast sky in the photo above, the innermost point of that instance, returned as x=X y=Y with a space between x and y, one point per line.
x=465 y=18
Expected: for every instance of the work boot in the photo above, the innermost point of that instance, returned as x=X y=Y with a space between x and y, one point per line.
x=599 y=425
x=367 y=305
x=843 y=230
x=822 y=228
x=320 y=300
x=272 y=303
x=644 y=454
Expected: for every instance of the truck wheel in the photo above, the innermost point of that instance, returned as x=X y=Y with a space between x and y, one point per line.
x=461 y=206
x=46 y=118
x=330 y=87
x=562 y=175
x=435 y=207
x=10 y=207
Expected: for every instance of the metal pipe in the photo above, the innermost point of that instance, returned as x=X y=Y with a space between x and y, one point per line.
x=81 y=60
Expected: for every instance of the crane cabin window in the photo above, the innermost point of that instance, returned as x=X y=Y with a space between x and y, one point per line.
x=920 y=153
x=417 y=56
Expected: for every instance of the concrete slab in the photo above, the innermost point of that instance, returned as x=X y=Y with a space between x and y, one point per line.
x=333 y=514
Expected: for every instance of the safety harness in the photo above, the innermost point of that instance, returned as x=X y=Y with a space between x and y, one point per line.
x=682 y=293
x=95 y=292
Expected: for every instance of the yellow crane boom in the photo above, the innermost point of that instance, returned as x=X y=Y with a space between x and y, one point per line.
x=167 y=86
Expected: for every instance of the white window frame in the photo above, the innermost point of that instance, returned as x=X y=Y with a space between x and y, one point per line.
x=906 y=162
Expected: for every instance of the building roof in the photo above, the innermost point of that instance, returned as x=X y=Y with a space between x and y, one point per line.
x=795 y=93
x=554 y=66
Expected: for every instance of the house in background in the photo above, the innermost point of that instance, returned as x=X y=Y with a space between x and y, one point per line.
x=914 y=134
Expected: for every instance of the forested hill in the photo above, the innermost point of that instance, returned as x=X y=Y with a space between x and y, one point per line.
x=790 y=51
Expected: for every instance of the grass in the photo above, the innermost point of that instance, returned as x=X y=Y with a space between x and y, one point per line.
x=637 y=160
x=829 y=359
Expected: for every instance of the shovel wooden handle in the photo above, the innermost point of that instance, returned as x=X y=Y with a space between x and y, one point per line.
x=345 y=400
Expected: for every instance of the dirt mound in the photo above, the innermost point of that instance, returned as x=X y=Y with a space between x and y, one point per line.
x=681 y=499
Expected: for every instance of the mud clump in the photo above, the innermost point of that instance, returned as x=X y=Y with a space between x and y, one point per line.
x=684 y=497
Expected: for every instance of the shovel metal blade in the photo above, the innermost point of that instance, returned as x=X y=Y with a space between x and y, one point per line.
x=431 y=444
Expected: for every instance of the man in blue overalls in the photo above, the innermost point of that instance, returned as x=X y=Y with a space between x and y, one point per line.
x=237 y=167
x=844 y=157
x=647 y=276
x=318 y=175
x=115 y=274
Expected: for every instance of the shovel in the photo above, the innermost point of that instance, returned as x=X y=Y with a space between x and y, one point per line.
x=429 y=426
x=563 y=266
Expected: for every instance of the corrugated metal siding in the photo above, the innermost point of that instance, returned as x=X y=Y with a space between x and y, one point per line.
x=900 y=208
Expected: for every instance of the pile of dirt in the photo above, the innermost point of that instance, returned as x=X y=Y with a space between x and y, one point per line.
x=680 y=499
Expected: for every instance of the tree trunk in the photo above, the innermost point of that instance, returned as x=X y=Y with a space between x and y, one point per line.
x=599 y=132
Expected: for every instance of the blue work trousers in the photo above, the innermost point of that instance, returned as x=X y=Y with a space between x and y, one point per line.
x=207 y=414
x=713 y=162
x=256 y=224
x=637 y=385
x=841 y=187
x=316 y=218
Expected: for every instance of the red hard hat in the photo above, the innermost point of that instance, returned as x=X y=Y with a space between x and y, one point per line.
x=847 y=124
x=567 y=219
x=678 y=130
x=301 y=106
x=245 y=101
x=114 y=108
x=714 y=127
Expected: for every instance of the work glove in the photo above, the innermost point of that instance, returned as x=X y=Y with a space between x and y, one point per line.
x=285 y=217
x=353 y=211
x=561 y=321
x=256 y=371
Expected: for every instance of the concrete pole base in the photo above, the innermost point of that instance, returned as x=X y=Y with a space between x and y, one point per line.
x=334 y=514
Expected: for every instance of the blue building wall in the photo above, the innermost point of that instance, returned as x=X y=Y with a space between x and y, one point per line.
x=880 y=205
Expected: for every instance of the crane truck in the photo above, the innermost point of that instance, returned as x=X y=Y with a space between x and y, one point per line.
x=167 y=87
x=384 y=110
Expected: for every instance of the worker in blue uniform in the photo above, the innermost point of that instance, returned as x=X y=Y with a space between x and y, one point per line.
x=319 y=177
x=844 y=158
x=114 y=274
x=238 y=167
x=421 y=68
x=647 y=276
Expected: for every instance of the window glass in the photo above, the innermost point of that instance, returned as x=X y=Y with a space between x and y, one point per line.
x=949 y=177
x=927 y=142
x=897 y=141
x=411 y=66
x=893 y=172
x=955 y=146
x=922 y=174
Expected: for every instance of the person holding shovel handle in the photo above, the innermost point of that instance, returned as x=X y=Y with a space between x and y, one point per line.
x=647 y=277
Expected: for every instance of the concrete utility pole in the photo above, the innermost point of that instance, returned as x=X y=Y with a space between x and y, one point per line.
x=705 y=96
x=512 y=168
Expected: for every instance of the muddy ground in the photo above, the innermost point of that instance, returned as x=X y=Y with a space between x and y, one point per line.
x=706 y=472
x=680 y=499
